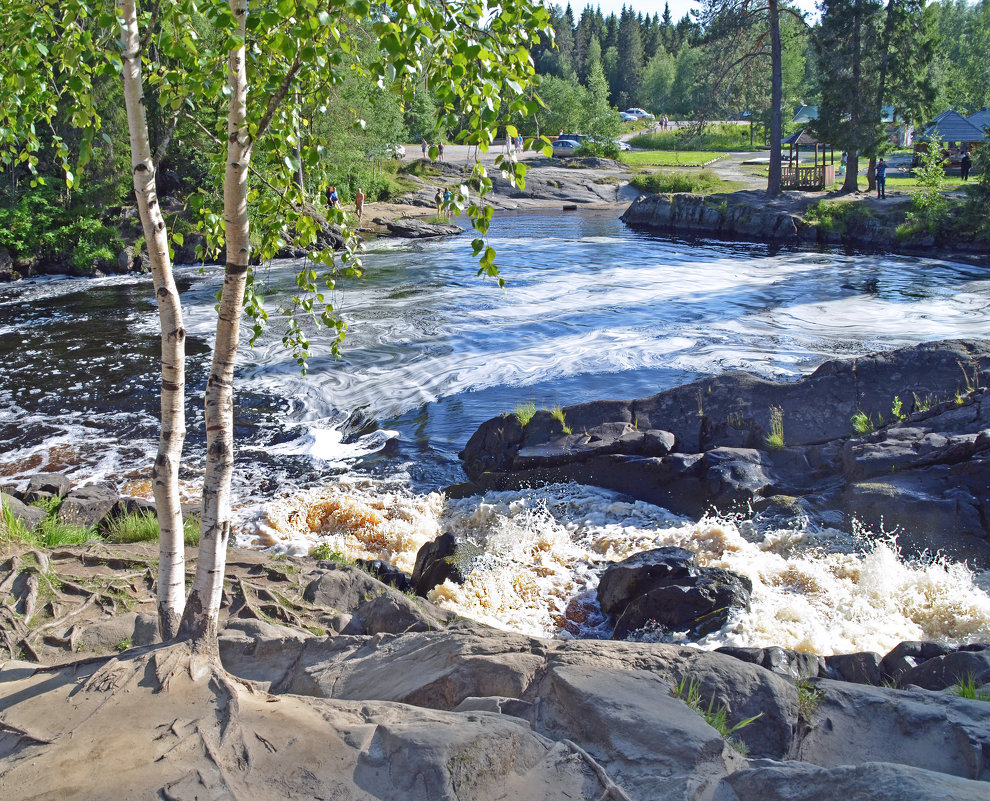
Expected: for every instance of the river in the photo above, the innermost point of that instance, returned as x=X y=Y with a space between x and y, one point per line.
x=354 y=453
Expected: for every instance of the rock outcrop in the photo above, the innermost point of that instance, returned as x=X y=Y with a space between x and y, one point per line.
x=925 y=469
x=751 y=215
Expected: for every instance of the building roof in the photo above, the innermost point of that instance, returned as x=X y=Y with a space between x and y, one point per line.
x=981 y=119
x=800 y=138
x=953 y=127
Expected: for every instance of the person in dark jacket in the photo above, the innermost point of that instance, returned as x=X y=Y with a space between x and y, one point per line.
x=881 y=178
x=965 y=163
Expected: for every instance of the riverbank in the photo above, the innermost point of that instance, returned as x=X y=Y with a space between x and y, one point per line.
x=331 y=678
x=798 y=218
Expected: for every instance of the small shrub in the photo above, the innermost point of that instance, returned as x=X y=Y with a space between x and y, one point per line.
x=323 y=552
x=925 y=403
x=123 y=645
x=896 y=409
x=809 y=699
x=929 y=204
x=524 y=413
x=13 y=529
x=557 y=414
x=669 y=182
x=775 y=439
x=862 y=423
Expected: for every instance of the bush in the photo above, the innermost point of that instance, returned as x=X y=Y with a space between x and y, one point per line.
x=606 y=149
x=724 y=136
x=667 y=182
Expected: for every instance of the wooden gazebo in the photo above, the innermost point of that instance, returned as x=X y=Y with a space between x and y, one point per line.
x=818 y=177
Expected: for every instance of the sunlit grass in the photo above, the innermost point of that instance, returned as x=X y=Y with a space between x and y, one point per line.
x=668 y=158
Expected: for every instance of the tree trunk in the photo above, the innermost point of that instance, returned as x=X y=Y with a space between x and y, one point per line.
x=199 y=622
x=871 y=175
x=888 y=29
x=165 y=473
x=851 y=182
x=776 y=98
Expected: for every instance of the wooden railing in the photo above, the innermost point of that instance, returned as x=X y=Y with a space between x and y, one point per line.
x=818 y=177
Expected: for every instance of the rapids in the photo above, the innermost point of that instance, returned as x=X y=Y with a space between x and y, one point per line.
x=354 y=453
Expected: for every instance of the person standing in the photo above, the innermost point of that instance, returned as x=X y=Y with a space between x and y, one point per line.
x=359 y=203
x=438 y=200
x=965 y=163
x=447 y=198
x=439 y=151
x=425 y=146
x=881 y=178
x=333 y=199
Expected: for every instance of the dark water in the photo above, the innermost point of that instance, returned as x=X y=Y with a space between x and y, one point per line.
x=591 y=310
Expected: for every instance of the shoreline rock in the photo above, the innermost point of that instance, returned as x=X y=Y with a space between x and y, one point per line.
x=927 y=474
x=749 y=215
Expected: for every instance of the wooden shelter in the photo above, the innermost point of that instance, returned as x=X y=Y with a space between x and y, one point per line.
x=818 y=177
x=955 y=134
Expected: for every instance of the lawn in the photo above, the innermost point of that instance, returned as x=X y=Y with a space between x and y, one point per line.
x=668 y=158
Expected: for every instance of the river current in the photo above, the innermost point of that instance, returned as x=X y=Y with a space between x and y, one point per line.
x=354 y=453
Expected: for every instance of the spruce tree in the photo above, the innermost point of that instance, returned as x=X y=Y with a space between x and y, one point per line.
x=629 y=72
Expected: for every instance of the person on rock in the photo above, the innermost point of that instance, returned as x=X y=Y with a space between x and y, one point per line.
x=359 y=203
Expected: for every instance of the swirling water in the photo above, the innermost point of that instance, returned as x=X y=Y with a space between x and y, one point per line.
x=353 y=452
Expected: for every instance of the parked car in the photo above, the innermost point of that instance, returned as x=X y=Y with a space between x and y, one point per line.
x=625 y=116
x=622 y=145
x=565 y=147
x=579 y=138
x=394 y=151
x=639 y=114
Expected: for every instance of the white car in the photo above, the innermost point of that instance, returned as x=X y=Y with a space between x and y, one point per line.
x=564 y=147
x=622 y=145
x=395 y=151
x=625 y=116
x=639 y=113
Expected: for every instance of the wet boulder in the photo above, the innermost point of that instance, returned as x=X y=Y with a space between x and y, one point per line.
x=442 y=559
x=666 y=589
x=90 y=506
x=413 y=228
x=908 y=655
x=860 y=668
x=945 y=671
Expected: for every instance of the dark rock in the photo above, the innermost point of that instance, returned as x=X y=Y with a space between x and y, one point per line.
x=929 y=476
x=860 y=668
x=30 y=516
x=395 y=613
x=908 y=655
x=139 y=506
x=943 y=672
x=414 y=228
x=387 y=573
x=53 y=483
x=666 y=588
x=167 y=182
x=90 y=506
x=870 y=781
x=7 y=271
x=639 y=573
x=442 y=559
x=794 y=664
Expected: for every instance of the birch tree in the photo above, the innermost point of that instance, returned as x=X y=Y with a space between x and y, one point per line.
x=235 y=74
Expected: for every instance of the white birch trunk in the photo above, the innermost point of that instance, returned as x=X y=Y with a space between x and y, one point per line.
x=199 y=621
x=165 y=473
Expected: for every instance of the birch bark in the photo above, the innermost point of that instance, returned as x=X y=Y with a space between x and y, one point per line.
x=165 y=472
x=199 y=621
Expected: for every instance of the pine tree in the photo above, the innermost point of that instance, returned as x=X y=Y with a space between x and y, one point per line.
x=629 y=72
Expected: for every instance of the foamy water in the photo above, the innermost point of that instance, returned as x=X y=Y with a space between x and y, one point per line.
x=823 y=591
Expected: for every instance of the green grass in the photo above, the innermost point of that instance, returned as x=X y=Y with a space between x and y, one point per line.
x=524 y=413
x=809 y=699
x=324 y=553
x=862 y=423
x=52 y=533
x=557 y=414
x=912 y=183
x=724 y=137
x=668 y=158
x=967 y=688
x=134 y=527
x=775 y=439
x=666 y=182
x=688 y=690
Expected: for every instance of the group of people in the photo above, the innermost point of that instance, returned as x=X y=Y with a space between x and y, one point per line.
x=425 y=147
x=443 y=200
x=515 y=143
x=333 y=200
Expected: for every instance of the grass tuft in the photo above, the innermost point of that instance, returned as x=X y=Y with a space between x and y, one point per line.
x=688 y=690
x=967 y=688
x=557 y=413
x=524 y=413
x=134 y=527
x=323 y=552
x=809 y=699
x=775 y=439
x=862 y=423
